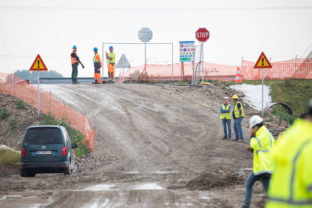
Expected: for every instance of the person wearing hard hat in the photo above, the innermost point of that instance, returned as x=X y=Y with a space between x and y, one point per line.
x=225 y=116
x=97 y=66
x=291 y=181
x=261 y=144
x=75 y=61
x=111 y=64
x=238 y=116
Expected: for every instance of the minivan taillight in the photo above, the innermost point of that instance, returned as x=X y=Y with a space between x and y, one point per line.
x=64 y=151
x=23 y=152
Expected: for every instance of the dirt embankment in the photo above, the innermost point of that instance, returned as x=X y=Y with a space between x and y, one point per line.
x=148 y=136
x=20 y=116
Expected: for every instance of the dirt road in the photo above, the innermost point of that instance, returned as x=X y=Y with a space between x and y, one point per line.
x=154 y=148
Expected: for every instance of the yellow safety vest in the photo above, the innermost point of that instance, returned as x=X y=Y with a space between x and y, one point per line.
x=291 y=181
x=236 y=111
x=262 y=145
x=226 y=115
x=111 y=55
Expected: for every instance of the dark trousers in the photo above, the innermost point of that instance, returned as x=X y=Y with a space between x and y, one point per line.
x=264 y=178
x=74 y=73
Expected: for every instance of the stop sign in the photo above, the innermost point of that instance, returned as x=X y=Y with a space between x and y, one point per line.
x=202 y=34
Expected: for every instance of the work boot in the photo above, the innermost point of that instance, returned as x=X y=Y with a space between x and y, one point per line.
x=224 y=138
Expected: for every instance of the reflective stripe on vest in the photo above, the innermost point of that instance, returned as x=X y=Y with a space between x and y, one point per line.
x=291 y=199
x=236 y=111
x=225 y=115
x=271 y=142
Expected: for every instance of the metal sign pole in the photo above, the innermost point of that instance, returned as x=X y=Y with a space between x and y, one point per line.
x=38 y=107
x=172 y=61
x=202 y=62
x=102 y=77
x=262 y=93
x=145 y=56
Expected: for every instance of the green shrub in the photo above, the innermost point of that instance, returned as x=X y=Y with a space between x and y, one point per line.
x=4 y=113
x=284 y=115
x=13 y=123
x=8 y=157
x=20 y=104
x=75 y=136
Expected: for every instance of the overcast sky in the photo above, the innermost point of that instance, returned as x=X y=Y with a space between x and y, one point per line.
x=240 y=28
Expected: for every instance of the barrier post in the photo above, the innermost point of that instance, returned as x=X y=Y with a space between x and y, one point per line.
x=38 y=107
x=262 y=91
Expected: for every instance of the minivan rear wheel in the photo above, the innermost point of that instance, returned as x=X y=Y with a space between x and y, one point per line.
x=27 y=173
x=68 y=170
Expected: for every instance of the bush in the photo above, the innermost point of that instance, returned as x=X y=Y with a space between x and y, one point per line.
x=4 y=113
x=284 y=115
x=8 y=157
x=20 y=104
x=13 y=123
x=75 y=136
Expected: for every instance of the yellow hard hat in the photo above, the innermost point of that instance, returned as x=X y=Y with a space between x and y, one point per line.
x=235 y=97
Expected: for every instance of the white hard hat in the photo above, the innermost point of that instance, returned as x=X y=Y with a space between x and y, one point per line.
x=254 y=120
x=225 y=98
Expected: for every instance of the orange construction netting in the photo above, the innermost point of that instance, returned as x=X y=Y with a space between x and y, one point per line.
x=298 y=68
x=159 y=72
x=17 y=87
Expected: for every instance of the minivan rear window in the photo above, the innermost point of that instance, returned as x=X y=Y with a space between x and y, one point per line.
x=39 y=136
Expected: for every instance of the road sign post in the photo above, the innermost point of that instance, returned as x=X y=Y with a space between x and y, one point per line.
x=145 y=35
x=38 y=65
x=262 y=63
x=202 y=35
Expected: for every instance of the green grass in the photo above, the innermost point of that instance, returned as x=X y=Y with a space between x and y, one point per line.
x=294 y=92
x=20 y=104
x=75 y=136
x=4 y=113
x=8 y=157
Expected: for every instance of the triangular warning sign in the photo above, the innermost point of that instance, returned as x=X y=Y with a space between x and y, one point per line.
x=38 y=65
x=123 y=62
x=262 y=62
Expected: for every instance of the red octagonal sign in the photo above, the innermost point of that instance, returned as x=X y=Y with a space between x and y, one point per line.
x=202 y=34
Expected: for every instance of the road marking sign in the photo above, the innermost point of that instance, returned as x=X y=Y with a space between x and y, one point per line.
x=263 y=62
x=38 y=65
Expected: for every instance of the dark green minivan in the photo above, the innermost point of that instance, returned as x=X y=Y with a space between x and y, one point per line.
x=46 y=149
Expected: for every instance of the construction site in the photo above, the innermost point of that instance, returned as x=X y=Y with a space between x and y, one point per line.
x=146 y=116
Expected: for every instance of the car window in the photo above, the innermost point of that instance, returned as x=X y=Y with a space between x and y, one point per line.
x=39 y=136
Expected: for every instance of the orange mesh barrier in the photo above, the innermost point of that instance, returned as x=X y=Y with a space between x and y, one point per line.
x=165 y=72
x=17 y=87
x=298 y=68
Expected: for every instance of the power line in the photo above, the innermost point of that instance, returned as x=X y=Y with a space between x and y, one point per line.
x=105 y=9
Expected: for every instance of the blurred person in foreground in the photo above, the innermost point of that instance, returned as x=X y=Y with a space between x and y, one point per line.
x=291 y=182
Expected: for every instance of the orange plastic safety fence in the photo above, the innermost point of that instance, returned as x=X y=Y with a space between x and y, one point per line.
x=157 y=72
x=298 y=68
x=17 y=87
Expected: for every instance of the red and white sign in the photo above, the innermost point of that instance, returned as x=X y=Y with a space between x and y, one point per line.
x=202 y=34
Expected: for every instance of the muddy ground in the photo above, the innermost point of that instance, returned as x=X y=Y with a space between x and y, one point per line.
x=154 y=148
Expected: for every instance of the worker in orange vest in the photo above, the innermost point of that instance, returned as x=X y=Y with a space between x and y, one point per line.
x=97 y=66
x=75 y=61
